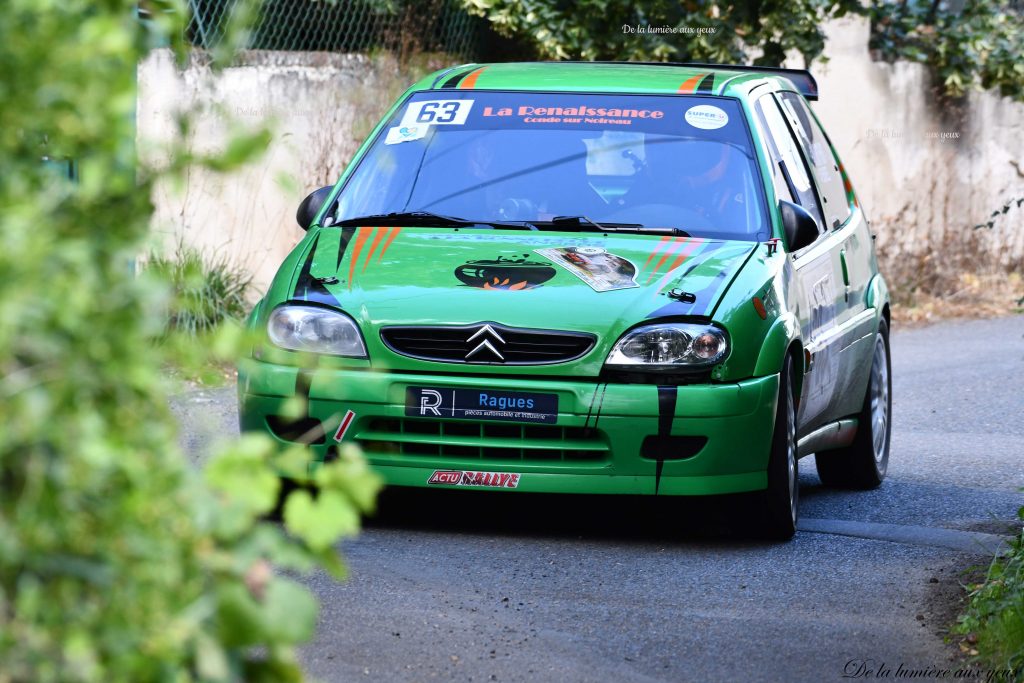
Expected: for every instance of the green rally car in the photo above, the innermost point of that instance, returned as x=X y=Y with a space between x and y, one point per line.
x=587 y=278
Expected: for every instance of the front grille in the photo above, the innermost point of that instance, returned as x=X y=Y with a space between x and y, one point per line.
x=482 y=440
x=487 y=344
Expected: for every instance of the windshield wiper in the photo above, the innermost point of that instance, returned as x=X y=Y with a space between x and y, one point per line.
x=426 y=218
x=583 y=223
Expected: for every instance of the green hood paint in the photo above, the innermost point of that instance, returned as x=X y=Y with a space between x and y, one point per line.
x=442 y=276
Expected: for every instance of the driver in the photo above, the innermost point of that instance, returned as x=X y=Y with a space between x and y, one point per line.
x=701 y=177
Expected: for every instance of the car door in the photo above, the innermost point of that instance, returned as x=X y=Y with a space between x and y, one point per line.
x=851 y=238
x=816 y=269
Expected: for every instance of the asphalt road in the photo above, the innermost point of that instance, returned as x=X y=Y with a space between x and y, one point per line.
x=474 y=587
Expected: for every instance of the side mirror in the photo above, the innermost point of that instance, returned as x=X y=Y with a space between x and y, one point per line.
x=798 y=225
x=310 y=206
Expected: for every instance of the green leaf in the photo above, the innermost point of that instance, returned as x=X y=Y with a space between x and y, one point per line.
x=242 y=473
x=321 y=522
x=289 y=612
x=211 y=660
x=286 y=614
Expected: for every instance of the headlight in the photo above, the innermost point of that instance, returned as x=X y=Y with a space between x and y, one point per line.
x=317 y=330
x=669 y=345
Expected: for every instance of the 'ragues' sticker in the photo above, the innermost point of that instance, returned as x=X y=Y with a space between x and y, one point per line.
x=706 y=116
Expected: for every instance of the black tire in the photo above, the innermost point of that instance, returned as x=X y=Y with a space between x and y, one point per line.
x=780 y=502
x=862 y=464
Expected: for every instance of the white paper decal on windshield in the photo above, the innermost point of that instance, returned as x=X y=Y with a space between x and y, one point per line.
x=437 y=113
x=706 y=117
x=398 y=134
x=604 y=272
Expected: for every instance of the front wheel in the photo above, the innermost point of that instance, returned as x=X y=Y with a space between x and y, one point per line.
x=862 y=464
x=780 y=501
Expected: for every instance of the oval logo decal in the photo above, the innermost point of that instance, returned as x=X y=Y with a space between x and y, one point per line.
x=706 y=116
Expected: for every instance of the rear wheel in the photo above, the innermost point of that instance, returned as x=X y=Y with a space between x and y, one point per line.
x=781 y=499
x=862 y=464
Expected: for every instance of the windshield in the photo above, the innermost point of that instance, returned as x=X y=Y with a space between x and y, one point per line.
x=681 y=162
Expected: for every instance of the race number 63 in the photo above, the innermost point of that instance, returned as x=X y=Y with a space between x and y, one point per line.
x=437 y=113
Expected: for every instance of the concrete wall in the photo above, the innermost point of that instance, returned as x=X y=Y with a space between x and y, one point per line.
x=923 y=173
x=319 y=107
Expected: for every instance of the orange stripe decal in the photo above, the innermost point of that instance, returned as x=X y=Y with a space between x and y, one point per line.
x=654 y=253
x=698 y=245
x=664 y=257
x=691 y=83
x=684 y=253
x=387 y=243
x=469 y=81
x=378 y=235
x=361 y=236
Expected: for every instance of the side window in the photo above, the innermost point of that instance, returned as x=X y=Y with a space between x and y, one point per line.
x=819 y=155
x=782 y=190
x=787 y=162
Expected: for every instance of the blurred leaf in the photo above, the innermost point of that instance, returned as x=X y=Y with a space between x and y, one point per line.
x=322 y=521
x=240 y=473
x=118 y=561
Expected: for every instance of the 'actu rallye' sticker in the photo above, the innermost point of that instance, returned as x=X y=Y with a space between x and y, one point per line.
x=494 y=480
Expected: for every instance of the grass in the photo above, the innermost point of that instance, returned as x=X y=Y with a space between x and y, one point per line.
x=952 y=278
x=205 y=293
x=992 y=627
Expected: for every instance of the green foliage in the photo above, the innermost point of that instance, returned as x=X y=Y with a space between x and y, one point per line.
x=664 y=30
x=205 y=293
x=994 y=620
x=117 y=561
x=967 y=45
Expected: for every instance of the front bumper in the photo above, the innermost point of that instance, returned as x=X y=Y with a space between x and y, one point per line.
x=598 y=444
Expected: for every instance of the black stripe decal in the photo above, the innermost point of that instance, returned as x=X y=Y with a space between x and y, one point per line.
x=442 y=75
x=707 y=84
x=304 y=279
x=590 y=410
x=667 y=397
x=307 y=287
x=703 y=301
x=303 y=381
x=456 y=79
x=600 y=405
x=346 y=237
x=675 y=307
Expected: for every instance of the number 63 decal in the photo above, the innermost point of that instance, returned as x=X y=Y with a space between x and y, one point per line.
x=437 y=113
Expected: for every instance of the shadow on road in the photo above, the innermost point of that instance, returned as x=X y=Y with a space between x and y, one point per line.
x=620 y=518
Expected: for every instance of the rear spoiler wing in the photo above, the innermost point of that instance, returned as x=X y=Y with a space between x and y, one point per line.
x=801 y=78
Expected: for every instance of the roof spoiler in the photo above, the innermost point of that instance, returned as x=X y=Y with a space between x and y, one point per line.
x=801 y=78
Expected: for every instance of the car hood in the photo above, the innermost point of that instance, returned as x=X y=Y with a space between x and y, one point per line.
x=586 y=282
x=592 y=283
